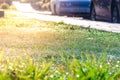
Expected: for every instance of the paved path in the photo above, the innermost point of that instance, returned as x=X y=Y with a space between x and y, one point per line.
x=28 y=11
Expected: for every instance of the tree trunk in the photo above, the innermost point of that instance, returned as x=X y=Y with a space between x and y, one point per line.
x=1 y=13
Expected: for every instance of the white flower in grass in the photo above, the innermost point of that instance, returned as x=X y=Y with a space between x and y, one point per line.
x=51 y=76
x=77 y=75
x=23 y=63
x=67 y=73
x=84 y=69
x=117 y=66
x=108 y=63
x=110 y=73
x=118 y=62
x=100 y=66
x=57 y=72
x=21 y=66
x=11 y=66
x=2 y=66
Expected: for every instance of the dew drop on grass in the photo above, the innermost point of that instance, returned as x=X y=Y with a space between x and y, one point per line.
x=51 y=76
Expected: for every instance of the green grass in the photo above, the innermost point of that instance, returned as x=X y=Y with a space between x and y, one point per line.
x=39 y=50
x=87 y=67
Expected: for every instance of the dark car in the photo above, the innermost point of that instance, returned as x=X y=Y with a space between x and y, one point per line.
x=106 y=10
x=69 y=6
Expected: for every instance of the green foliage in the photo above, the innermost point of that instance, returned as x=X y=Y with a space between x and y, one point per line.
x=87 y=67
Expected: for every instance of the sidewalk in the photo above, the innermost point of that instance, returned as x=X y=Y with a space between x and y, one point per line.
x=28 y=11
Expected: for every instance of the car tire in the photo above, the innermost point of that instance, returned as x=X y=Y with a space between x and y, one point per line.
x=93 y=14
x=53 y=10
x=115 y=15
x=58 y=12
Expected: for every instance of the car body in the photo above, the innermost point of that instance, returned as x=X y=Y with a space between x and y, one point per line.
x=106 y=10
x=70 y=6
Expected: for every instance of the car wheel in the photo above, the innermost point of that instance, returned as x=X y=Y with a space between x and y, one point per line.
x=53 y=10
x=58 y=12
x=115 y=15
x=93 y=14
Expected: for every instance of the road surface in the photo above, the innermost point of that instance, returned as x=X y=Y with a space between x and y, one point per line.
x=26 y=10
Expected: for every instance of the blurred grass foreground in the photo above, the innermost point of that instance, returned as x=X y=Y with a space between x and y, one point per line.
x=38 y=50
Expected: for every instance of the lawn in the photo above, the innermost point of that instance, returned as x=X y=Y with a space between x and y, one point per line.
x=38 y=50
